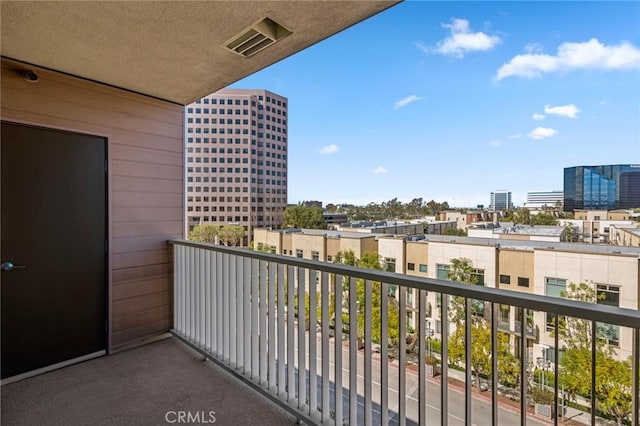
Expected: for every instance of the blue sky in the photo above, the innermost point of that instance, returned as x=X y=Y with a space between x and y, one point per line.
x=452 y=100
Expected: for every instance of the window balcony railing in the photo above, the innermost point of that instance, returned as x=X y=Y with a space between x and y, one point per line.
x=271 y=321
x=533 y=332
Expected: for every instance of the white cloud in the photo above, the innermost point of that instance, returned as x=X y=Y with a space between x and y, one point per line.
x=462 y=40
x=604 y=102
x=537 y=116
x=406 y=101
x=533 y=48
x=330 y=149
x=495 y=143
x=379 y=170
x=570 y=111
x=516 y=136
x=542 y=133
x=573 y=56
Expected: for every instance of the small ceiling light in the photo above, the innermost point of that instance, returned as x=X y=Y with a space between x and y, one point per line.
x=258 y=36
x=31 y=76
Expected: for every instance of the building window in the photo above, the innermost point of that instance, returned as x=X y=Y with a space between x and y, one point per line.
x=315 y=255
x=608 y=295
x=423 y=268
x=505 y=279
x=411 y=266
x=329 y=258
x=299 y=253
x=442 y=271
x=554 y=287
x=523 y=282
x=390 y=263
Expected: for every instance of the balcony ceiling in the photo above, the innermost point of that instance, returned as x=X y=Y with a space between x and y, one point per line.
x=169 y=50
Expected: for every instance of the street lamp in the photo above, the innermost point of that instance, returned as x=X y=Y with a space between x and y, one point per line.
x=430 y=332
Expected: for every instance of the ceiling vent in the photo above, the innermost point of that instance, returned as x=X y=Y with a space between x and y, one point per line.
x=258 y=36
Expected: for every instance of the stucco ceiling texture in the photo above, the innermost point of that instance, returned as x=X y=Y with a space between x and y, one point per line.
x=171 y=50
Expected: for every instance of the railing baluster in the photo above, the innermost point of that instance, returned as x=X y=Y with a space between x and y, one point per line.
x=202 y=285
x=467 y=361
x=353 y=352
x=177 y=291
x=262 y=310
x=225 y=308
x=444 y=359
x=422 y=384
x=635 y=384
x=522 y=313
x=233 y=289
x=219 y=305
x=240 y=324
x=368 y=313
x=556 y=376
x=402 y=357
x=313 y=352
x=324 y=303
x=494 y=364
x=339 y=416
x=282 y=338
x=255 y=320
x=384 y=354
x=246 y=302
x=593 y=371
x=190 y=293
x=291 y=387
x=271 y=310
x=302 y=352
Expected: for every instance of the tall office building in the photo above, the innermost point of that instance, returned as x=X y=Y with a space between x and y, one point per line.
x=602 y=187
x=538 y=199
x=500 y=200
x=236 y=159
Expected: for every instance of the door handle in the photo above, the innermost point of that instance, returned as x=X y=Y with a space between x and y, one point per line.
x=9 y=266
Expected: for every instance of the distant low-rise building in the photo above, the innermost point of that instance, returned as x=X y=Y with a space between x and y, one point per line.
x=624 y=236
x=383 y=227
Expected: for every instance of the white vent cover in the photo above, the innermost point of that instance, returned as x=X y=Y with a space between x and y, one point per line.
x=258 y=36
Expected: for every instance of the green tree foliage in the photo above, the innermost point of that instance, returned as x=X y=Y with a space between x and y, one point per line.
x=462 y=271
x=369 y=260
x=523 y=216
x=229 y=235
x=391 y=209
x=456 y=232
x=613 y=377
x=205 y=233
x=544 y=218
x=301 y=216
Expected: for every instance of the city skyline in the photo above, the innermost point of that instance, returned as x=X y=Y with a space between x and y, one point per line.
x=450 y=100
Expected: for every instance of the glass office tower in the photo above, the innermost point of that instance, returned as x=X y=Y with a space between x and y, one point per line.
x=602 y=187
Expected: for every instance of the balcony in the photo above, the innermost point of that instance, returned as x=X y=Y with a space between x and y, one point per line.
x=533 y=332
x=277 y=361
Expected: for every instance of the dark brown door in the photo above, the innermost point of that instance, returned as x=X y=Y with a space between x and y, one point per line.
x=53 y=230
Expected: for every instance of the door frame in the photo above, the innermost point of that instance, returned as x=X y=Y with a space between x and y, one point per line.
x=108 y=252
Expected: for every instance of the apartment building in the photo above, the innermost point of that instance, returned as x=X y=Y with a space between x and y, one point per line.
x=314 y=244
x=535 y=267
x=236 y=143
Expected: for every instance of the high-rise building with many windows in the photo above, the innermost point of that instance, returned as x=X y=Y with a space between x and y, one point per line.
x=236 y=159
x=500 y=200
x=602 y=187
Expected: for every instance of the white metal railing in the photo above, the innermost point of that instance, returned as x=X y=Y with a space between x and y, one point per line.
x=268 y=319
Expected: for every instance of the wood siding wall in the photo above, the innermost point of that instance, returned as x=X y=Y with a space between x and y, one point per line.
x=145 y=184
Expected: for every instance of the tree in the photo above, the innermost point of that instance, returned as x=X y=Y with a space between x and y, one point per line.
x=205 y=233
x=369 y=260
x=231 y=235
x=614 y=388
x=613 y=397
x=301 y=216
x=544 y=218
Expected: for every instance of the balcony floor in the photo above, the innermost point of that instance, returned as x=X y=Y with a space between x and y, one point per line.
x=137 y=386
